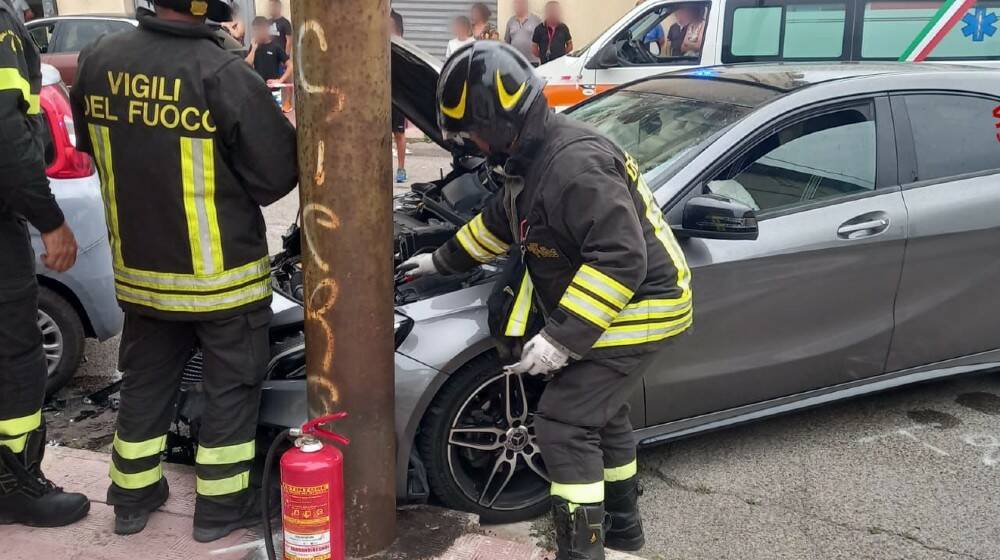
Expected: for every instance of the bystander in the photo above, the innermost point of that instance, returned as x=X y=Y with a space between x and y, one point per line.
x=482 y=28
x=235 y=25
x=552 y=39
x=268 y=58
x=398 y=119
x=520 y=30
x=281 y=28
x=461 y=28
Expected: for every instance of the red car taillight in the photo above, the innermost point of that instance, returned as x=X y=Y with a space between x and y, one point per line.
x=68 y=162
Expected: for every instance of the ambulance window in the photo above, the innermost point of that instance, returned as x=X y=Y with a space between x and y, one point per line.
x=892 y=30
x=757 y=31
x=796 y=31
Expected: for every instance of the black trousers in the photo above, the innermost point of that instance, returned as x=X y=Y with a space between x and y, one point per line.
x=152 y=355
x=583 y=425
x=22 y=363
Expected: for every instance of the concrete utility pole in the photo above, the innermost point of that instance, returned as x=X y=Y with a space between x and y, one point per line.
x=341 y=54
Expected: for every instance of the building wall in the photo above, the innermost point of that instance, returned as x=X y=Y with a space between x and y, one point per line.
x=75 y=7
x=586 y=18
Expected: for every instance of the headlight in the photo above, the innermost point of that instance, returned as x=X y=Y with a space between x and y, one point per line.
x=402 y=326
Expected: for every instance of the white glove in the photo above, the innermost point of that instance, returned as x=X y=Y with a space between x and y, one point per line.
x=540 y=357
x=418 y=266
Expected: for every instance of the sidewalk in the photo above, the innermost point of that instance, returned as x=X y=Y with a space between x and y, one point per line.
x=424 y=532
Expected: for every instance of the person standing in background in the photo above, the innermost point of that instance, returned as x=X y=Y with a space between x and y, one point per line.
x=267 y=57
x=686 y=35
x=482 y=29
x=520 y=30
x=552 y=39
x=398 y=119
x=235 y=26
x=461 y=27
x=281 y=28
x=22 y=10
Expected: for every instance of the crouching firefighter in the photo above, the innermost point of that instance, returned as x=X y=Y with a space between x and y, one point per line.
x=189 y=145
x=602 y=270
x=26 y=496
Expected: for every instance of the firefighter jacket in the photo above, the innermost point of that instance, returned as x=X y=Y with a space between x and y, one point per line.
x=24 y=188
x=189 y=144
x=603 y=264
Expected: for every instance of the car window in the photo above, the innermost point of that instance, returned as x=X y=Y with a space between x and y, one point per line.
x=776 y=31
x=41 y=34
x=75 y=35
x=893 y=29
x=671 y=34
x=819 y=158
x=953 y=134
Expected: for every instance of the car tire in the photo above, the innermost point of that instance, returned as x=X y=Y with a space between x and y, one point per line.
x=60 y=325
x=437 y=452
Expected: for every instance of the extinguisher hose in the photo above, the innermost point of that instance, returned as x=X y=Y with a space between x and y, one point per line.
x=265 y=493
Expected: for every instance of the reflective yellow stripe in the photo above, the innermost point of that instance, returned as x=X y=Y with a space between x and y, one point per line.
x=587 y=307
x=517 y=325
x=198 y=178
x=223 y=486
x=225 y=455
x=11 y=79
x=621 y=473
x=580 y=493
x=192 y=282
x=196 y=303
x=653 y=309
x=486 y=238
x=138 y=450
x=22 y=425
x=603 y=285
x=663 y=232
x=627 y=335
x=471 y=246
x=137 y=480
x=16 y=444
x=100 y=137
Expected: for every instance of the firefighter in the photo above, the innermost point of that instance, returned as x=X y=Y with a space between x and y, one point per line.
x=26 y=496
x=603 y=271
x=189 y=145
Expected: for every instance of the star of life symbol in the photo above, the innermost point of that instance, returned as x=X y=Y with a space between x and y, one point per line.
x=979 y=24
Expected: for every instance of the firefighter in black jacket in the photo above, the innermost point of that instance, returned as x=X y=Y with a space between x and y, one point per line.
x=189 y=145
x=603 y=270
x=26 y=496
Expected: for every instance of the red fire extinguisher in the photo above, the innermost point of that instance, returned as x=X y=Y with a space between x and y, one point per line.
x=312 y=493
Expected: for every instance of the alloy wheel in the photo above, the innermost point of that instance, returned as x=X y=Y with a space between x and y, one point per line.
x=493 y=451
x=52 y=341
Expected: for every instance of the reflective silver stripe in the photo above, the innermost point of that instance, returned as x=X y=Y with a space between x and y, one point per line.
x=602 y=285
x=650 y=310
x=472 y=247
x=204 y=227
x=486 y=238
x=191 y=282
x=195 y=302
x=639 y=334
x=587 y=307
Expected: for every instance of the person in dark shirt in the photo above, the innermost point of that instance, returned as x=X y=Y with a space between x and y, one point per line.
x=398 y=119
x=281 y=28
x=267 y=57
x=552 y=39
x=686 y=36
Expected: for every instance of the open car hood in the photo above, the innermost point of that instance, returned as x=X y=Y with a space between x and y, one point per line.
x=414 y=88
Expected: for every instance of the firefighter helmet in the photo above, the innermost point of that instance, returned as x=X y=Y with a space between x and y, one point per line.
x=215 y=10
x=486 y=88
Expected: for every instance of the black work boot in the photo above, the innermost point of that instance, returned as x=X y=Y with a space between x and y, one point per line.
x=249 y=516
x=132 y=520
x=27 y=497
x=580 y=532
x=621 y=499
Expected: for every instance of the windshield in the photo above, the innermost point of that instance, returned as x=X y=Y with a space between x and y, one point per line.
x=658 y=128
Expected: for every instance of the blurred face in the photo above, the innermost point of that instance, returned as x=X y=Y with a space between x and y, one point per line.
x=276 y=9
x=553 y=13
x=460 y=29
x=684 y=16
x=262 y=33
x=477 y=15
x=521 y=7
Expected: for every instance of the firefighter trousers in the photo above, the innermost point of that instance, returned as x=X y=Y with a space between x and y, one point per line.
x=583 y=426
x=152 y=356
x=22 y=362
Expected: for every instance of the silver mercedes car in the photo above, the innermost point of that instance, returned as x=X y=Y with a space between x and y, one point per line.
x=843 y=226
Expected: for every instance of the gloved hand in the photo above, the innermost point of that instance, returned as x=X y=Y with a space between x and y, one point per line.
x=417 y=266
x=540 y=357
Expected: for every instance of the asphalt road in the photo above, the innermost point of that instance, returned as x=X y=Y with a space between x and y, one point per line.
x=908 y=475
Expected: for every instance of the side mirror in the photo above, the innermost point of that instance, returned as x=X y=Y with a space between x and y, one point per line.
x=712 y=216
x=607 y=57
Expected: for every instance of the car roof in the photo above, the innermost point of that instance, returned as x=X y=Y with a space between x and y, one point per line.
x=753 y=85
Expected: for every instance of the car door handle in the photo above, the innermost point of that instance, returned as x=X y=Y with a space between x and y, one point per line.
x=863 y=229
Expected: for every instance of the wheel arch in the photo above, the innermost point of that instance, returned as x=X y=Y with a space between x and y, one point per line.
x=67 y=294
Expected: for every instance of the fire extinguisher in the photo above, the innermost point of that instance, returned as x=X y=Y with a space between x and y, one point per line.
x=312 y=493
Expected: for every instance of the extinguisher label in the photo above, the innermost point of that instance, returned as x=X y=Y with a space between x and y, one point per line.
x=306 y=522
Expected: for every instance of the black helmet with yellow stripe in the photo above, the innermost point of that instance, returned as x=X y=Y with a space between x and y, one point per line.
x=486 y=89
x=215 y=10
